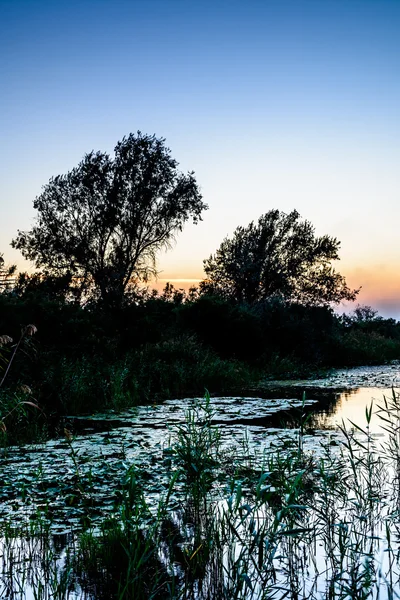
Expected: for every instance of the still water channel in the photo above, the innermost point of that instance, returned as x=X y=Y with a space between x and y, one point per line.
x=41 y=479
x=42 y=475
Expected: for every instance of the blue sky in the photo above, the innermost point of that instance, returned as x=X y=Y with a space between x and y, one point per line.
x=274 y=104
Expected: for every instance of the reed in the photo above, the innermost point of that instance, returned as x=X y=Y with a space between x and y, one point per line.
x=14 y=403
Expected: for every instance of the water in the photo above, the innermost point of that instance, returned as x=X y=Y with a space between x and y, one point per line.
x=67 y=486
x=106 y=445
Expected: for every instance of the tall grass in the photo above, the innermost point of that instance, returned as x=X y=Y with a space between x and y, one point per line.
x=15 y=402
x=178 y=367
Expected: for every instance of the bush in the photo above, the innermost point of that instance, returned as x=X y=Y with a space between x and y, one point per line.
x=359 y=347
x=182 y=366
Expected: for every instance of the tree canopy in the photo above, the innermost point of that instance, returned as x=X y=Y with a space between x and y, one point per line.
x=279 y=255
x=103 y=222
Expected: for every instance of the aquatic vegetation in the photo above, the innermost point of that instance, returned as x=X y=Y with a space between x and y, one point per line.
x=198 y=513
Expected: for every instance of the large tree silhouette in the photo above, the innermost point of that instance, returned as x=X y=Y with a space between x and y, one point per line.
x=104 y=222
x=277 y=256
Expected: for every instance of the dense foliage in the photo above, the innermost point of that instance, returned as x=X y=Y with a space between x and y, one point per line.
x=277 y=256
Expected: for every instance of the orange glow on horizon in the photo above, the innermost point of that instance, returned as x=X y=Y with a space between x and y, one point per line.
x=378 y=283
x=183 y=284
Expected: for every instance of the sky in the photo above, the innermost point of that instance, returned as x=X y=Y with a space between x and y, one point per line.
x=288 y=104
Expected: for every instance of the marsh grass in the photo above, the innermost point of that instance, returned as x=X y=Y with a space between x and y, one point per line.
x=290 y=523
x=122 y=560
x=174 y=368
x=16 y=420
x=21 y=419
x=34 y=564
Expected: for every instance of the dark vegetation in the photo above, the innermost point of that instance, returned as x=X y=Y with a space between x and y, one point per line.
x=87 y=358
x=100 y=225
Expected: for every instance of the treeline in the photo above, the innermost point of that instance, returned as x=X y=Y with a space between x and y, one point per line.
x=86 y=358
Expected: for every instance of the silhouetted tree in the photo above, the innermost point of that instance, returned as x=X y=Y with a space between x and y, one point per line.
x=7 y=278
x=104 y=221
x=365 y=314
x=277 y=256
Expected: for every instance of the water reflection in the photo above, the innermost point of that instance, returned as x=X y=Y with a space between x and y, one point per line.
x=323 y=408
x=350 y=406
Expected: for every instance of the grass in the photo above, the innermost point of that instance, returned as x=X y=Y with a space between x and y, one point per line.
x=16 y=404
x=175 y=368
x=288 y=523
x=88 y=384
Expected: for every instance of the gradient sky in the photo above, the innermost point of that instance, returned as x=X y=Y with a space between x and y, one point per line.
x=273 y=103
